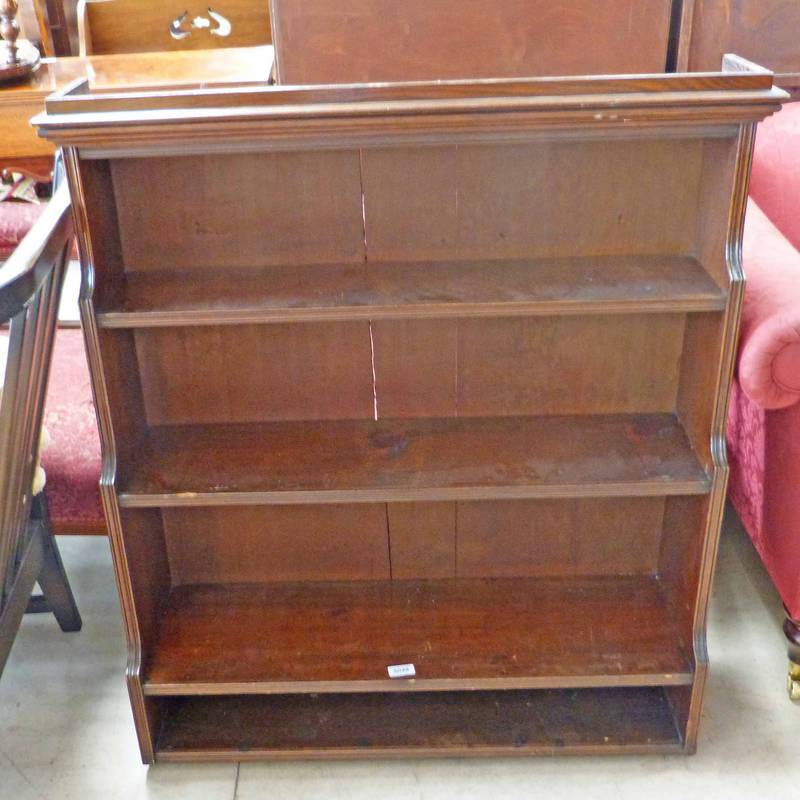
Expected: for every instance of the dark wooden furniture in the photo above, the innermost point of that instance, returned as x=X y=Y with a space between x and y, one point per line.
x=323 y=41
x=30 y=288
x=766 y=31
x=575 y=37
x=327 y=41
x=108 y=27
x=61 y=22
x=21 y=147
x=429 y=374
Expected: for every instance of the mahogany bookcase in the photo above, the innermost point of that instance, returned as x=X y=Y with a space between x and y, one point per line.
x=428 y=373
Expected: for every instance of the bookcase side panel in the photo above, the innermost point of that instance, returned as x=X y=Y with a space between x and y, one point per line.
x=139 y=556
x=707 y=372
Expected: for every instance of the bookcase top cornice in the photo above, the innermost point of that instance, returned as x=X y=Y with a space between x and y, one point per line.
x=281 y=116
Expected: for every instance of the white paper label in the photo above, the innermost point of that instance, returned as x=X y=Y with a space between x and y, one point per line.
x=402 y=671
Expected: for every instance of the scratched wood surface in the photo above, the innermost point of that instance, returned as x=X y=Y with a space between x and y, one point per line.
x=347 y=41
x=461 y=633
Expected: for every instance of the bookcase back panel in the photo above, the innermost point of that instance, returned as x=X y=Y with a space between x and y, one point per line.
x=525 y=538
x=541 y=365
x=533 y=538
x=421 y=368
x=245 y=544
x=407 y=541
x=253 y=373
x=468 y=202
x=548 y=198
x=243 y=210
x=423 y=537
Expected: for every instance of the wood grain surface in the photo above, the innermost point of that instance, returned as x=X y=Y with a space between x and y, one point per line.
x=329 y=637
x=412 y=460
x=355 y=41
x=500 y=287
x=764 y=31
x=406 y=725
x=133 y=26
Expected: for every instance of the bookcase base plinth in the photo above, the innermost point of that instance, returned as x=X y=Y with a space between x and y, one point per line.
x=437 y=724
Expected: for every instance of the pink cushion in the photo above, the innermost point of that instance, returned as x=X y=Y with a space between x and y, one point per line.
x=769 y=357
x=16 y=219
x=72 y=460
x=775 y=181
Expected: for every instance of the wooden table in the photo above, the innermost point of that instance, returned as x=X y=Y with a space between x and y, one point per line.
x=19 y=144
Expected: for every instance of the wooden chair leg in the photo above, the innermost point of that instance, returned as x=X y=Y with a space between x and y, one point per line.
x=791 y=627
x=52 y=578
x=16 y=599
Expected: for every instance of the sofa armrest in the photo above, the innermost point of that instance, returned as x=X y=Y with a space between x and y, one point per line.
x=769 y=350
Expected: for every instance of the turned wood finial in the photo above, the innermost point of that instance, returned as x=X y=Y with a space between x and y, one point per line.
x=18 y=57
x=9 y=30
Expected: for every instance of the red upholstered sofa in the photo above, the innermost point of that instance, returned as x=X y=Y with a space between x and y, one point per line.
x=764 y=420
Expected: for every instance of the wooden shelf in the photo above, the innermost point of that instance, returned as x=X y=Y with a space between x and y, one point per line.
x=414 y=460
x=459 y=634
x=445 y=723
x=609 y=284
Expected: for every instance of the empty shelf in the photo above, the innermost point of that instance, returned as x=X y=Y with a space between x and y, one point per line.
x=443 y=724
x=459 y=633
x=413 y=460
x=602 y=284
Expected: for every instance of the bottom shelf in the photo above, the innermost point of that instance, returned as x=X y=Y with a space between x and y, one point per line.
x=473 y=634
x=537 y=722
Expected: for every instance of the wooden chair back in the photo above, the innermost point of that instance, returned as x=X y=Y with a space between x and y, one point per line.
x=30 y=289
x=138 y=26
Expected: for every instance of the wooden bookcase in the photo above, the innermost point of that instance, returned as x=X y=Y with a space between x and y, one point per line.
x=431 y=374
